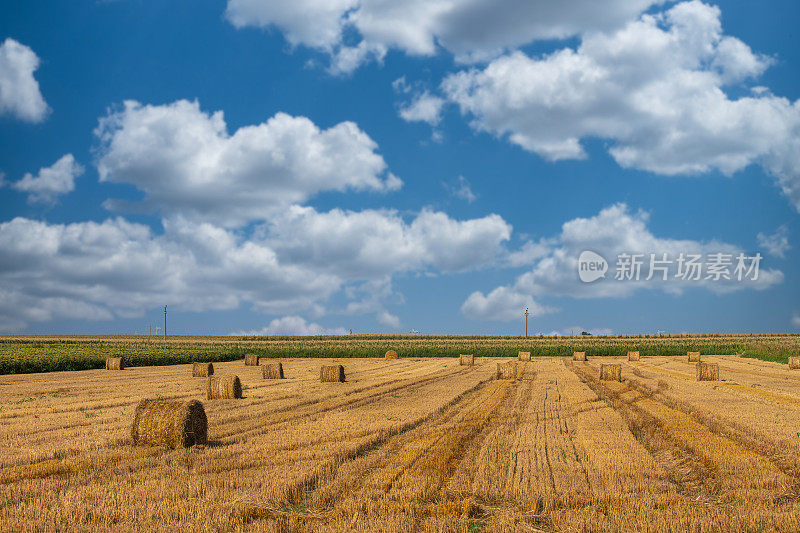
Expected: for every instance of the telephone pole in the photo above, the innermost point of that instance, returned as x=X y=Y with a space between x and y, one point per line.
x=165 y=322
x=526 y=322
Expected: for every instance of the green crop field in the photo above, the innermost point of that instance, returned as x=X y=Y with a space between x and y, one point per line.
x=25 y=354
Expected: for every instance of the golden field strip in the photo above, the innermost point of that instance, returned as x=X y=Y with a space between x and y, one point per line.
x=412 y=444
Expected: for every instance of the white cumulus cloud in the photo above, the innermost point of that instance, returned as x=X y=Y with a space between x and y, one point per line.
x=613 y=231
x=655 y=89
x=19 y=91
x=472 y=30
x=371 y=243
x=292 y=264
x=388 y=319
x=51 y=182
x=502 y=304
x=117 y=268
x=186 y=162
x=423 y=108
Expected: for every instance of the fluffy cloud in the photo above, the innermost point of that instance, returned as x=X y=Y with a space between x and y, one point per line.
x=371 y=243
x=388 y=319
x=470 y=29
x=19 y=90
x=116 y=268
x=50 y=182
x=423 y=108
x=614 y=231
x=294 y=325
x=796 y=320
x=776 y=244
x=292 y=264
x=529 y=253
x=654 y=88
x=316 y=23
x=503 y=304
x=186 y=162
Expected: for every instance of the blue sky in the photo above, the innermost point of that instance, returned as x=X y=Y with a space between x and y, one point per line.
x=274 y=167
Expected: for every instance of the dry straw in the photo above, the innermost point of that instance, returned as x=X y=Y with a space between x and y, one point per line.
x=466 y=359
x=579 y=356
x=169 y=423
x=202 y=370
x=331 y=373
x=115 y=363
x=250 y=359
x=611 y=372
x=223 y=388
x=507 y=370
x=707 y=371
x=272 y=371
x=524 y=356
x=794 y=363
x=694 y=357
x=391 y=354
x=633 y=356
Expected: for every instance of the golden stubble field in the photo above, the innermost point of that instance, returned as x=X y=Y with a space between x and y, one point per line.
x=412 y=445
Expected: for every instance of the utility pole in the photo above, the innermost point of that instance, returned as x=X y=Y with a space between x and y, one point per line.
x=526 y=322
x=165 y=322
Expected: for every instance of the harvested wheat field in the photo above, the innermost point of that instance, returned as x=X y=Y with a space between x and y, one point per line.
x=411 y=445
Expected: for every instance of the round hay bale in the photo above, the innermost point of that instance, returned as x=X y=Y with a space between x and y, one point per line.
x=611 y=372
x=331 y=373
x=169 y=423
x=466 y=359
x=202 y=370
x=794 y=363
x=507 y=370
x=633 y=356
x=579 y=356
x=272 y=371
x=707 y=371
x=391 y=354
x=524 y=356
x=224 y=388
x=250 y=359
x=115 y=363
x=694 y=357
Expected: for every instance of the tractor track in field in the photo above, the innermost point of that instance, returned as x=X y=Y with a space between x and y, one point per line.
x=543 y=421
x=687 y=471
x=697 y=476
x=724 y=427
x=311 y=488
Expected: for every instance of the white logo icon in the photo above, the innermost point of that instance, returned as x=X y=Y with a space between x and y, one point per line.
x=591 y=266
